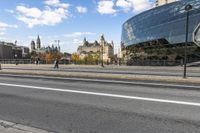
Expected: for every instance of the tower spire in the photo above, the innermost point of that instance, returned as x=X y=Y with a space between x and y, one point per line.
x=38 y=42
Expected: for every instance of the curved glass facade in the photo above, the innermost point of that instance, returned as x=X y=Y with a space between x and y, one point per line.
x=166 y=22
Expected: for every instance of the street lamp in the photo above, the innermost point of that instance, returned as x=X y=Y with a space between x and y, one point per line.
x=57 y=41
x=102 y=56
x=16 y=59
x=187 y=9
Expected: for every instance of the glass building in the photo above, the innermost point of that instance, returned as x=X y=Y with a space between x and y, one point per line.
x=166 y=23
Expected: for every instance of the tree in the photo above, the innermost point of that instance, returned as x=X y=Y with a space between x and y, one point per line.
x=50 y=57
x=75 y=58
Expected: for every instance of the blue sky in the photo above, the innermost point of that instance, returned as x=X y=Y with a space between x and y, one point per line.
x=66 y=20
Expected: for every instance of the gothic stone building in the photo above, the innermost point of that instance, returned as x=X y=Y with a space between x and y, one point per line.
x=36 y=47
x=96 y=48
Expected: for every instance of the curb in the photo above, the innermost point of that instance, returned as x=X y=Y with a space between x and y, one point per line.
x=10 y=127
x=107 y=81
x=145 y=78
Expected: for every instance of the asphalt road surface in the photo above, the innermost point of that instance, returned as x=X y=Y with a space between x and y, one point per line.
x=68 y=106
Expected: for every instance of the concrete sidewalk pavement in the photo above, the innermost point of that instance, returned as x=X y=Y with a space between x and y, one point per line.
x=10 y=127
x=42 y=70
x=146 y=78
x=110 y=67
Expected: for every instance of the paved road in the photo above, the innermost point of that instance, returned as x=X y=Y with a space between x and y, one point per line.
x=92 y=107
x=155 y=72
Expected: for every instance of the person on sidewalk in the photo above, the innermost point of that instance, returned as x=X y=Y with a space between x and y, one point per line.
x=56 y=63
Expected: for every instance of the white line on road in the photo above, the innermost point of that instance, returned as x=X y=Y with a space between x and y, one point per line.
x=104 y=94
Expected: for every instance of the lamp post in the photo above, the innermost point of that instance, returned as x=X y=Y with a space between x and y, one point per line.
x=15 y=59
x=57 y=41
x=102 y=56
x=187 y=9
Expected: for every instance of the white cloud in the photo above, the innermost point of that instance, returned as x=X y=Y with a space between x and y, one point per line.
x=35 y=16
x=106 y=7
x=29 y=12
x=136 y=6
x=78 y=34
x=81 y=9
x=56 y=3
x=4 y=26
x=125 y=4
x=9 y=11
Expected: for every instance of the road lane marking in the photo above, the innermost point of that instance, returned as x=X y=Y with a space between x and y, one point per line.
x=104 y=94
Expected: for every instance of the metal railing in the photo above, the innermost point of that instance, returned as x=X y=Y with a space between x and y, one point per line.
x=15 y=61
x=136 y=62
x=30 y=61
x=154 y=63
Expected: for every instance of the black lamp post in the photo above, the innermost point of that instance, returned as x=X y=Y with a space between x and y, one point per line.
x=187 y=9
x=102 y=56
x=16 y=63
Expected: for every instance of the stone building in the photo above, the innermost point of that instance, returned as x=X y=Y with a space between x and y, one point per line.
x=36 y=47
x=96 y=48
x=38 y=42
x=25 y=51
x=32 y=45
x=5 y=51
x=11 y=51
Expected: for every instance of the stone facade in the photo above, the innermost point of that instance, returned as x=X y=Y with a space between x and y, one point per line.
x=5 y=51
x=38 y=42
x=96 y=48
x=11 y=51
x=36 y=47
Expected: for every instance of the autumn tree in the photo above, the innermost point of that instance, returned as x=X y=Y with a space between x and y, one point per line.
x=50 y=57
x=75 y=58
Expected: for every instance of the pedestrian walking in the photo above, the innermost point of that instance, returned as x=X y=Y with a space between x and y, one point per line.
x=56 y=64
x=36 y=61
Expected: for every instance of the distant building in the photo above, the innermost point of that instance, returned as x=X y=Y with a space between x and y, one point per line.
x=11 y=50
x=32 y=45
x=38 y=42
x=96 y=48
x=163 y=2
x=5 y=51
x=25 y=51
x=36 y=47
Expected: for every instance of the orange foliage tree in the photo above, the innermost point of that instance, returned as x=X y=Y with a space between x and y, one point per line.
x=50 y=57
x=75 y=58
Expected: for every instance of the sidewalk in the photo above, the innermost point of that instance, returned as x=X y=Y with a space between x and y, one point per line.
x=149 y=78
x=9 y=127
x=110 y=67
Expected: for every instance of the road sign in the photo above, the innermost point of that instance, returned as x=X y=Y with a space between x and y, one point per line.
x=196 y=36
